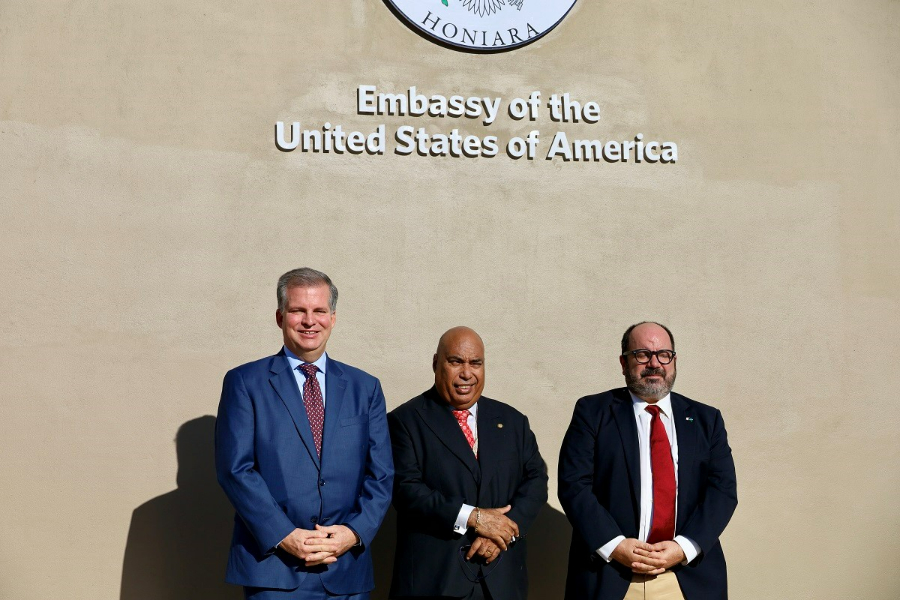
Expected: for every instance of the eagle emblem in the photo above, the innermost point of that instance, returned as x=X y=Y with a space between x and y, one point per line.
x=482 y=8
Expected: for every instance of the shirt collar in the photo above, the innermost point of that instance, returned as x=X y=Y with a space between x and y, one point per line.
x=472 y=410
x=295 y=362
x=665 y=405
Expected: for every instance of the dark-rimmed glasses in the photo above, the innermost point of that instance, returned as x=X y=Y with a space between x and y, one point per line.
x=643 y=356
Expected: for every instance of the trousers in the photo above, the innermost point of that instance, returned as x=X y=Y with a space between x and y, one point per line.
x=311 y=589
x=479 y=592
x=654 y=587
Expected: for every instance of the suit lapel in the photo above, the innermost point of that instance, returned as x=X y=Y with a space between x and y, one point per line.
x=488 y=441
x=285 y=385
x=440 y=420
x=335 y=386
x=685 y=433
x=623 y=412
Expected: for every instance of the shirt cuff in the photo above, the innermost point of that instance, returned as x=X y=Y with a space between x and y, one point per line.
x=689 y=547
x=278 y=545
x=462 y=519
x=606 y=550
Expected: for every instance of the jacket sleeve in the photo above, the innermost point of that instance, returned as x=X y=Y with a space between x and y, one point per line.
x=589 y=519
x=708 y=520
x=412 y=495
x=532 y=492
x=375 y=495
x=236 y=467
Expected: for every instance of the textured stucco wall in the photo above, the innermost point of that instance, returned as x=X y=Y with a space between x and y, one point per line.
x=146 y=215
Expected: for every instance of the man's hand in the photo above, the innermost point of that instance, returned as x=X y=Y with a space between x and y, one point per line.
x=302 y=543
x=338 y=539
x=484 y=548
x=636 y=555
x=659 y=557
x=494 y=525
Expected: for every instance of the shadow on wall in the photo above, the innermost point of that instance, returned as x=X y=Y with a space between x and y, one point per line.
x=548 y=555
x=178 y=542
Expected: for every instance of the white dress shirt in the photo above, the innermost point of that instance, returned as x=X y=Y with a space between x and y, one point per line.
x=643 y=419
x=300 y=376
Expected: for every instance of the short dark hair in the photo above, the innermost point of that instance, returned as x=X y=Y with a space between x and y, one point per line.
x=625 y=338
x=305 y=277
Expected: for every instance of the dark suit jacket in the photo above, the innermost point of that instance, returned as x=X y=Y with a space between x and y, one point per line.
x=437 y=473
x=599 y=488
x=267 y=464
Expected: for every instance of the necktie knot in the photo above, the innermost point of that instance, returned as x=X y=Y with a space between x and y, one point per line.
x=309 y=369
x=653 y=410
x=462 y=416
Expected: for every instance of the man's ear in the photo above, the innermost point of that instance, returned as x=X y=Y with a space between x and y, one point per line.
x=279 y=318
x=623 y=360
x=434 y=363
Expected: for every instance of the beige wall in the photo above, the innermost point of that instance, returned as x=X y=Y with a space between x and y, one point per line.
x=146 y=215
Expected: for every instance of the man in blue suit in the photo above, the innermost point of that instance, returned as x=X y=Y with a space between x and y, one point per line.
x=647 y=480
x=304 y=455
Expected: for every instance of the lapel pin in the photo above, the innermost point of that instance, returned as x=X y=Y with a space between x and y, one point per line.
x=499 y=425
x=691 y=419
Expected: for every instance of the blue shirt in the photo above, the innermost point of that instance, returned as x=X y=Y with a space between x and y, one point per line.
x=300 y=376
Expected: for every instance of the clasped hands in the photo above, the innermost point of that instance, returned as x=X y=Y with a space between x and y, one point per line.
x=495 y=532
x=319 y=546
x=648 y=559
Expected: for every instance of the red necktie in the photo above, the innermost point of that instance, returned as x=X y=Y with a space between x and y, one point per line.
x=662 y=525
x=315 y=407
x=462 y=417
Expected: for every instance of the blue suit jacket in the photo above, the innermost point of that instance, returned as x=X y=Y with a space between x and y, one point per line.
x=267 y=464
x=599 y=488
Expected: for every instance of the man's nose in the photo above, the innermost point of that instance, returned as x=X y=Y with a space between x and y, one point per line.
x=654 y=361
x=307 y=319
x=466 y=372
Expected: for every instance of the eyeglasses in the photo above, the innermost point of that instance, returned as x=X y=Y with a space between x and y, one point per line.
x=643 y=356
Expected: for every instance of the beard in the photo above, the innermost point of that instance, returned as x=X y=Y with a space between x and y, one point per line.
x=655 y=390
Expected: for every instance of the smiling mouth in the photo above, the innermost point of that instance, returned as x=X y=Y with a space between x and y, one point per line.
x=463 y=389
x=652 y=373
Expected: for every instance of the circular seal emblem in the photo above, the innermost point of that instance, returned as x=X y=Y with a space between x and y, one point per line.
x=486 y=25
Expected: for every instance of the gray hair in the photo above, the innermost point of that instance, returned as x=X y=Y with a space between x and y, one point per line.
x=628 y=331
x=305 y=277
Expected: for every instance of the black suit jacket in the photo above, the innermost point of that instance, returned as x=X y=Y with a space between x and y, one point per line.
x=436 y=473
x=599 y=488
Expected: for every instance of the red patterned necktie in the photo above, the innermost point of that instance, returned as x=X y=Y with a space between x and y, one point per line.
x=663 y=522
x=315 y=407
x=462 y=417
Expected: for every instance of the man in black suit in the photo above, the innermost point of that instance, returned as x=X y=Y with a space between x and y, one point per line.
x=647 y=480
x=468 y=483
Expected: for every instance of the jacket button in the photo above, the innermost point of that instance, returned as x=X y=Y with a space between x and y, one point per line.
x=313 y=519
x=321 y=482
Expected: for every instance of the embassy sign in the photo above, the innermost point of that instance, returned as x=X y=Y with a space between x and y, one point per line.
x=487 y=25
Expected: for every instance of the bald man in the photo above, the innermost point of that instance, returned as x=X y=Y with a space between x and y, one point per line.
x=647 y=480
x=469 y=481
